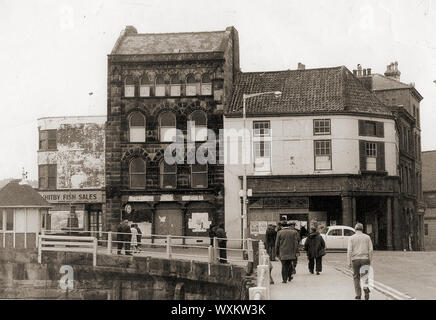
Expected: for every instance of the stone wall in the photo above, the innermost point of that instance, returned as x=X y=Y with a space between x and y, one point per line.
x=118 y=278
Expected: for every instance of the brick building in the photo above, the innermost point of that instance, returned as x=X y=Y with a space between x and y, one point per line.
x=325 y=151
x=71 y=174
x=429 y=191
x=403 y=100
x=156 y=83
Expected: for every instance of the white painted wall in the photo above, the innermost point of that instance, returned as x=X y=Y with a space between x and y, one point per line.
x=293 y=137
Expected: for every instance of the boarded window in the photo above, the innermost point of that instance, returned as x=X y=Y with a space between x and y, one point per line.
x=129 y=87
x=137 y=174
x=175 y=88
x=145 y=87
x=168 y=175
x=371 y=128
x=137 y=127
x=199 y=176
x=160 y=86
x=206 y=85
x=323 y=155
x=191 y=85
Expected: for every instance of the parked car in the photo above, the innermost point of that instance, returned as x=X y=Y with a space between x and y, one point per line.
x=335 y=237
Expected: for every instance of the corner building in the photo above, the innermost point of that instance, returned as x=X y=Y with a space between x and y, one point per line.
x=156 y=84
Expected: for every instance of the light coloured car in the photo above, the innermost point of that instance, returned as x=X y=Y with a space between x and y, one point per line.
x=335 y=237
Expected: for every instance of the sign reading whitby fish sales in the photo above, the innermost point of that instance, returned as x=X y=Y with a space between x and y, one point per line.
x=72 y=196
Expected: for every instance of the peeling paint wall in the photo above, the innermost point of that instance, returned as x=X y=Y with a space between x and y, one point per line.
x=80 y=151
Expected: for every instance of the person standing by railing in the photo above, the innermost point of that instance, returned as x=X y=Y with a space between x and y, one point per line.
x=222 y=242
x=123 y=237
x=134 y=238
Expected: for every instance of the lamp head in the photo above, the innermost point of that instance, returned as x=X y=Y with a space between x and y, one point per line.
x=277 y=94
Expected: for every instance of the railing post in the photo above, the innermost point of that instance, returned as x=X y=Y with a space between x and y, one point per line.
x=39 y=249
x=210 y=255
x=109 y=242
x=169 y=247
x=94 y=254
x=250 y=249
x=215 y=249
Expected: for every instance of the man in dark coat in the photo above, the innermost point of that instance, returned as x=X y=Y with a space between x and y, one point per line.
x=222 y=242
x=124 y=237
x=286 y=249
x=315 y=247
x=212 y=229
x=271 y=235
x=295 y=262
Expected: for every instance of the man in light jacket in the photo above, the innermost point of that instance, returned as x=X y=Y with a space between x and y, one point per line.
x=359 y=258
x=286 y=250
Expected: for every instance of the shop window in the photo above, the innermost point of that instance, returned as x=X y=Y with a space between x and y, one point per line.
x=137 y=173
x=145 y=86
x=168 y=175
x=137 y=127
x=47 y=174
x=160 y=86
x=129 y=87
x=175 y=88
x=323 y=155
x=199 y=176
x=371 y=128
x=191 y=85
x=200 y=120
x=206 y=85
x=47 y=140
x=321 y=126
x=167 y=125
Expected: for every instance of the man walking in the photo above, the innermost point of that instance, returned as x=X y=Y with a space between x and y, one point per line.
x=315 y=248
x=297 y=253
x=271 y=235
x=286 y=249
x=359 y=258
x=123 y=237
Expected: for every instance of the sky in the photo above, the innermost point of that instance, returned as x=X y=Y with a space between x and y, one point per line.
x=54 y=52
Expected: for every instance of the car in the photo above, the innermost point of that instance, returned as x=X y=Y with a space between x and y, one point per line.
x=335 y=237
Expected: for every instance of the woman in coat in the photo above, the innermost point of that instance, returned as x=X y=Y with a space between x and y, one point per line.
x=315 y=248
x=134 y=240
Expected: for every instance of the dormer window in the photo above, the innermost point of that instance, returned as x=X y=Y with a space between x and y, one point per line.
x=175 y=85
x=160 y=86
x=206 y=85
x=191 y=85
x=129 y=87
x=145 y=86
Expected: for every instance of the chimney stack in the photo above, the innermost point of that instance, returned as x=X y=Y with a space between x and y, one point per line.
x=392 y=71
x=301 y=66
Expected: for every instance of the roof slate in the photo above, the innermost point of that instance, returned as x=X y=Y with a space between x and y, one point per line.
x=304 y=91
x=21 y=195
x=164 y=43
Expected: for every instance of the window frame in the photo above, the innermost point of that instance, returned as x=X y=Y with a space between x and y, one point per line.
x=316 y=125
x=206 y=85
x=129 y=86
x=193 y=135
x=162 y=173
x=45 y=137
x=262 y=128
x=49 y=168
x=190 y=84
x=131 y=173
x=323 y=154
x=131 y=115
x=158 y=86
x=197 y=173
x=147 y=84
x=167 y=127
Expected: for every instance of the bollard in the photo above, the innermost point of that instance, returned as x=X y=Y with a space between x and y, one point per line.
x=257 y=293
x=210 y=255
x=109 y=242
x=250 y=249
x=94 y=255
x=215 y=249
x=263 y=279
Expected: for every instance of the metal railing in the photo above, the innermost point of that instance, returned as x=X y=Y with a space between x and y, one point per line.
x=67 y=244
x=169 y=246
x=262 y=289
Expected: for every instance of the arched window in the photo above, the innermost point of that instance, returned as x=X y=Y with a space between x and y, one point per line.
x=145 y=86
x=137 y=173
x=137 y=127
x=206 y=85
x=175 y=85
x=199 y=176
x=191 y=85
x=129 y=86
x=200 y=120
x=167 y=125
x=160 y=86
x=168 y=175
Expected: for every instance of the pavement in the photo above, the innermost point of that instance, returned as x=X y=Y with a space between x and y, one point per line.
x=410 y=273
x=331 y=284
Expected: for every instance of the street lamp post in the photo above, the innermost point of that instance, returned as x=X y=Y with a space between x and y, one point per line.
x=244 y=178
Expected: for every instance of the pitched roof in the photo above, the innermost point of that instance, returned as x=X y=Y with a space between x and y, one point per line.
x=21 y=195
x=381 y=82
x=130 y=42
x=304 y=91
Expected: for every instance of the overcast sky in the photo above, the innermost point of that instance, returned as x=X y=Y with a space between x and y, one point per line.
x=54 y=53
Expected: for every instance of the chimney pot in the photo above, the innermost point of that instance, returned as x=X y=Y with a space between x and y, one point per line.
x=301 y=66
x=368 y=71
x=364 y=72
